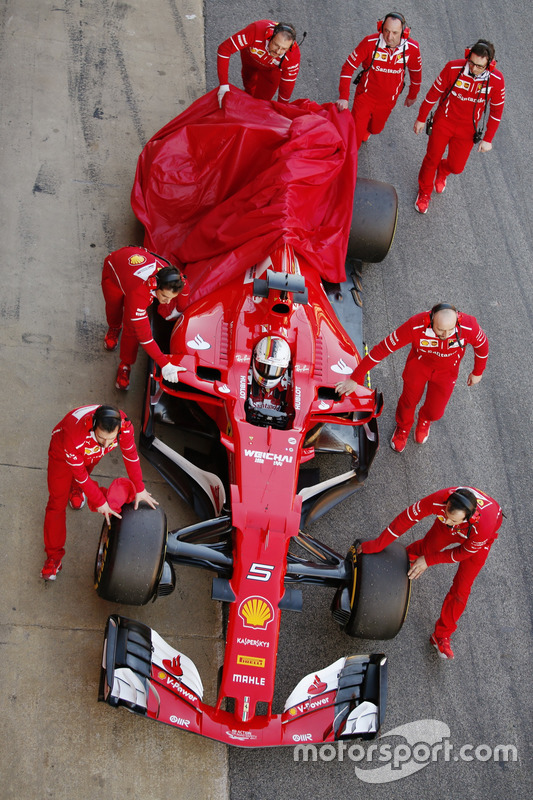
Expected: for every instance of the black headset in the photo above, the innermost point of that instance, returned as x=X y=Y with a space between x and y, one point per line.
x=444 y=307
x=283 y=27
x=395 y=15
x=106 y=413
x=170 y=275
x=463 y=498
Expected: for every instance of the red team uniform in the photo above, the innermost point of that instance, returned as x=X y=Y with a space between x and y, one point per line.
x=382 y=82
x=465 y=101
x=72 y=455
x=431 y=361
x=469 y=544
x=262 y=74
x=128 y=284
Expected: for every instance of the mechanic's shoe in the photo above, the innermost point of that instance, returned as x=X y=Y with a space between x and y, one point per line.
x=440 y=181
x=442 y=646
x=123 y=377
x=399 y=439
x=422 y=202
x=76 y=499
x=50 y=569
x=111 y=338
x=422 y=430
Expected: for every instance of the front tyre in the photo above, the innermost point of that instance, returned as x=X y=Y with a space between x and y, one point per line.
x=130 y=556
x=380 y=593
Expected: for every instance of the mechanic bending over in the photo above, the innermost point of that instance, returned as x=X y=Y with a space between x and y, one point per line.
x=78 y=443
x=132 y=278
x=466 y=518
x=466 y=89
x=270 y=58
x=438 y=340
x=385 y=57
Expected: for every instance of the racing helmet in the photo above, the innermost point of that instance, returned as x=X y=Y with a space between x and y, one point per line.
x=272 y=356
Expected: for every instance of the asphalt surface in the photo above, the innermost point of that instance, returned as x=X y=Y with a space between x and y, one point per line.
x=84 y=85
x=473 y=249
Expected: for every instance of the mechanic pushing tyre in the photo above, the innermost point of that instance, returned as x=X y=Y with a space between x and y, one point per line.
x=374 y=216
x=130 y=556
x=381 y=593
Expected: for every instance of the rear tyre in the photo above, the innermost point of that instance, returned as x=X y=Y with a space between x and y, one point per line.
x=381 y=593
x=130 y=556
x=374 y=217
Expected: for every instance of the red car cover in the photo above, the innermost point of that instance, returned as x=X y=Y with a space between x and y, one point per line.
x=217 y=190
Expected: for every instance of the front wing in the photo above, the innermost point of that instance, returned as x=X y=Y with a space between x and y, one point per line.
x=142 y=672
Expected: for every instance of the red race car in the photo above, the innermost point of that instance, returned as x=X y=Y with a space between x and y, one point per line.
x=255 y=202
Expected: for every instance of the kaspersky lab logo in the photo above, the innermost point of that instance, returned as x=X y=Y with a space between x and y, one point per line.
x=425 y=741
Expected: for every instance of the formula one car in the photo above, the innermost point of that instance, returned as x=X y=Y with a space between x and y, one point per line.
x=240 y=438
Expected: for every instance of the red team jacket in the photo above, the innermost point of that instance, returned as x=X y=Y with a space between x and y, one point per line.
x=470 y=536
x=437 y=353
x=467 y=99
x=385 y=78
x=132 y=268
x=73 y=441
x=255 y=37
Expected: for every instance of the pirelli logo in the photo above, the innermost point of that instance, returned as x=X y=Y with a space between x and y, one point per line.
x=251 y=661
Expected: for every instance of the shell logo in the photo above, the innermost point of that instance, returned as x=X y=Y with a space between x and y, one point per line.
x=136 y=260
x=161 y=675
x=256 y=612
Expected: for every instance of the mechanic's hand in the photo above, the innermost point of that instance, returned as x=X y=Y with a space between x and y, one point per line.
x=346 y=387
x=145 y=497
x=417 y=568
x=473 y=379
x=358 y=550
x=222 y=89
x=107 y=511
x=484 y=147
x=170 y=372
x=342 y=105
x=418 y=127
x=409 y=102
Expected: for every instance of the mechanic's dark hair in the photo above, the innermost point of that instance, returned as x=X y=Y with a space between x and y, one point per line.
x=107 y=418
x=288 y=30
x=462 y=500
x=169 y=278
x=395 y=15
x=484 y=49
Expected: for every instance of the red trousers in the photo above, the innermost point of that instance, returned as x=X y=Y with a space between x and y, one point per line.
x=114 y=311
x=259 y=82
x=416 y=376
x=459 y=142
x=60 y=482
x=369 y=115
x=436 y=539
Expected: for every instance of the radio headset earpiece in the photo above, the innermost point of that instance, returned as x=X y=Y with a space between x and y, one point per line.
x=489 y=53
x=395 y=15
x=466 y=500
x=106 y=414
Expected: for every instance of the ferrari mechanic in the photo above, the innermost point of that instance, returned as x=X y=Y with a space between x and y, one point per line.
x=385 y=57
x=438 y=340
x=466 y=89
x=466 y=518
x=270 y=58
x=78 y=443
x=132 y=278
